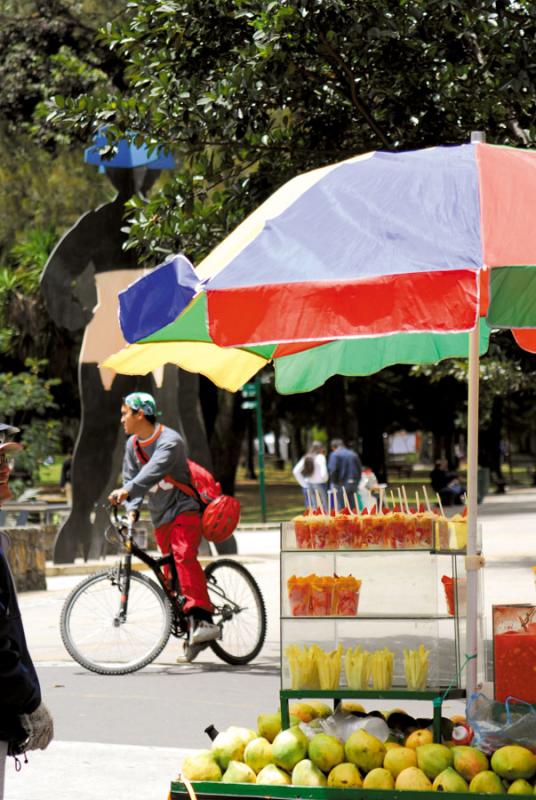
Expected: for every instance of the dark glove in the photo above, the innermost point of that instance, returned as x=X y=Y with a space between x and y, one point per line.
x=40 y=728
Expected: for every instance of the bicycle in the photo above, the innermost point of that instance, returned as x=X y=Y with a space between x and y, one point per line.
x=117 y=621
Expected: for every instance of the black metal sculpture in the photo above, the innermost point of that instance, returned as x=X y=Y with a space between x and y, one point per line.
x=80 y=284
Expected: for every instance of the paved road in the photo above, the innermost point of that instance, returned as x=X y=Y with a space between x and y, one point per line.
x=124 y=738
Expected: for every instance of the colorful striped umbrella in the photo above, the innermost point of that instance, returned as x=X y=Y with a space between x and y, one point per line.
x=299 y=367
x=384 y=258
x=375 y=255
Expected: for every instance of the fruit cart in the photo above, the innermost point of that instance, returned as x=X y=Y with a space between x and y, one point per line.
x=215 y=791
x=406 y=597
x=409 y=596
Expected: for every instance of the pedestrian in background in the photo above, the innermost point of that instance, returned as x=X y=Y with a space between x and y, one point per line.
x=344 y=469
x=368 y=488
x=311 y=472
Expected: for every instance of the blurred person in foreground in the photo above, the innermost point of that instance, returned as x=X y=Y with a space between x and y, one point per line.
x=25 y=722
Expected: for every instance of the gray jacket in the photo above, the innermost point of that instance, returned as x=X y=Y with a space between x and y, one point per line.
x=167 y=456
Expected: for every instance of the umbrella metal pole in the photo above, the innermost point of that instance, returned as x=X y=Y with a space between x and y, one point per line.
x=472 y=506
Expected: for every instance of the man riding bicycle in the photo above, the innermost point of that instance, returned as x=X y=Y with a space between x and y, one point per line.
x=155 y=463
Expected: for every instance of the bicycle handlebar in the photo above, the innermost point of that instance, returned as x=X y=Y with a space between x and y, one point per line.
x=116 y=520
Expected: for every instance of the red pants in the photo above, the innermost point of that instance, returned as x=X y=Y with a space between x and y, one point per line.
x=182 y=536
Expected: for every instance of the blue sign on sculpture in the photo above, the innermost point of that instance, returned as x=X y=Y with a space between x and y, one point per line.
x=127 y=155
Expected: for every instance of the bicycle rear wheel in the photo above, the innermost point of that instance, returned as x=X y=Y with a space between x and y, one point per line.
x=99 y=640
x=239 y=606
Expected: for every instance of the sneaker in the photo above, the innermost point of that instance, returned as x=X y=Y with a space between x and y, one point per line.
x=190 y=652
x=203 y=631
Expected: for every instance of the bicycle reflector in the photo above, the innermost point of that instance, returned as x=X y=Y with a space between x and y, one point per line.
x=220 y=518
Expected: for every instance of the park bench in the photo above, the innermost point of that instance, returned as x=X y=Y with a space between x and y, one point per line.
x=21 y=512
x=399 y=465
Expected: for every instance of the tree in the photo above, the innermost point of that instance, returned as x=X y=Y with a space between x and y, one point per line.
x=248 y=93
x=26 y=399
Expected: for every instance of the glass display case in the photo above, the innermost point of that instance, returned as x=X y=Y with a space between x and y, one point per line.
x=378 y=621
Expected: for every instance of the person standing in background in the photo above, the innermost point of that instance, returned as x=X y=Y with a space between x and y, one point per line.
x=311 y=472
x=344 y=469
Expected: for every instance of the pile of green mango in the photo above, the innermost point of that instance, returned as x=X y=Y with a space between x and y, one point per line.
x=271 y=756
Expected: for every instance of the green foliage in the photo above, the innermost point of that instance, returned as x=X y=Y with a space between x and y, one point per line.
x=248 y=93
x=26 y=401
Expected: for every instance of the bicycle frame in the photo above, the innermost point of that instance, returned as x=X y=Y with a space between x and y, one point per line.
x=170 y=586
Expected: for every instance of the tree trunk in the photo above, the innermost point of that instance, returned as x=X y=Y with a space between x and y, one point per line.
x=335 y=400
x=490 y=444
x=226 y=439
x=192 y=418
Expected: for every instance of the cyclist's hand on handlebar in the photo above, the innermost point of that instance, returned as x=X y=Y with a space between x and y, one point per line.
x=118 y=496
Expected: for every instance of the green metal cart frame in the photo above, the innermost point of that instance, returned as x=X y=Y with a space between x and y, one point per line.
x=435 y=695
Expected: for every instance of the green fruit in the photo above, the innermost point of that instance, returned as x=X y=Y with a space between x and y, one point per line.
x=379 y=778
x=345 y=776
x=399 y=758
x=273 y=776
x=433 y=759
x=325 y=751
x=289 y=747
x=269 y=725
x=364 y=750
x=306 y=774
x=449 y=781
x=258 y=753
x=512 y=762
x=227 y=747
x=321 y=709
x=520 y=786
x=468 y=761
x=486 y=782
x=303 y=711
x=237 y=772
x=245 y=734
x=201 y=767
x=413 y=779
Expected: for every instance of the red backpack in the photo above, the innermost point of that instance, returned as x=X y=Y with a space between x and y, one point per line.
x=220 y=512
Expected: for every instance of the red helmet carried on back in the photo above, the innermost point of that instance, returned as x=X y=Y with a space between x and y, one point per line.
x=220 y=518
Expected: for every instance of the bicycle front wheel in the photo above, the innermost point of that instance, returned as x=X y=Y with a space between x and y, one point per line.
x=239 y=607
x=102 y=641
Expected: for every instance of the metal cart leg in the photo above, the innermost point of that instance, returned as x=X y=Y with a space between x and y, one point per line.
x=437 y=703
x=285 y=717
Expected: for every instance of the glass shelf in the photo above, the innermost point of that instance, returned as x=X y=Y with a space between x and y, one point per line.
x=369 y=615
x=407 y=598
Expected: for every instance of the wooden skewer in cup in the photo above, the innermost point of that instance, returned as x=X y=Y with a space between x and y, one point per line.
x=319 y=501
x=428 y=507
x=405 y=499
x=356 y=501
x=345 y=495
x=440 y=505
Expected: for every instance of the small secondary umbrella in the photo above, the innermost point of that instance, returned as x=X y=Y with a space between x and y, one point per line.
x=382 y=245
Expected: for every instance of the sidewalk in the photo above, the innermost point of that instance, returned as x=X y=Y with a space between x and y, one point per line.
x=92 y=771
